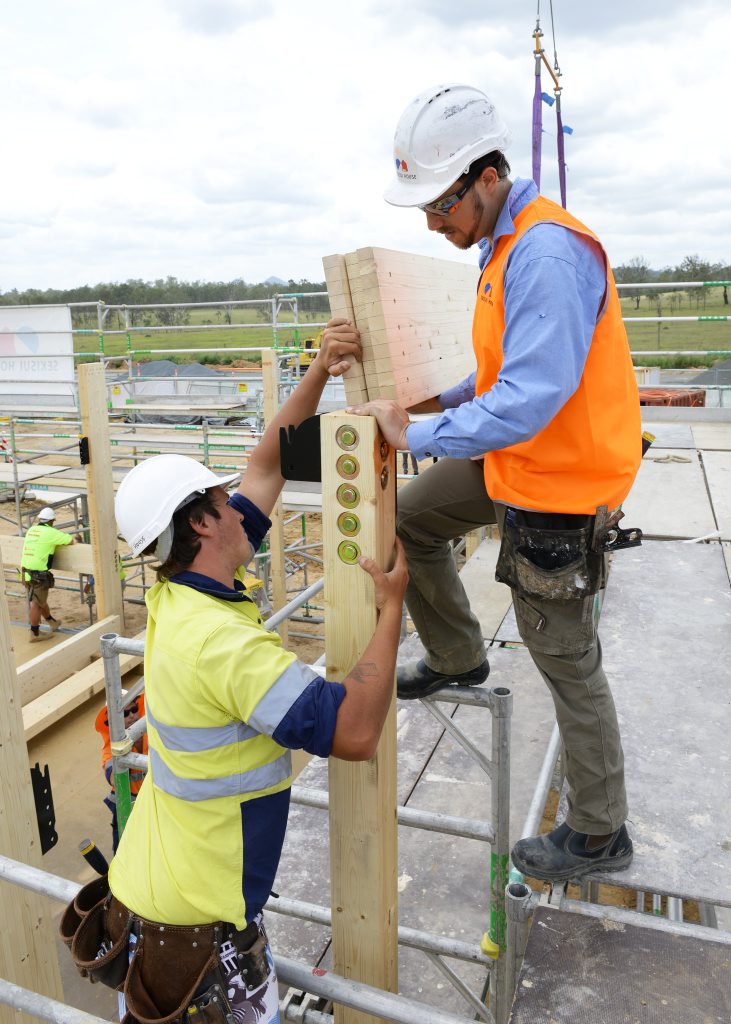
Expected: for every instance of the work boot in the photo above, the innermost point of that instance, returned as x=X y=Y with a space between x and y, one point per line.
x=565 y=853
x=36 y=638
x=53 y=624
x=418 y=680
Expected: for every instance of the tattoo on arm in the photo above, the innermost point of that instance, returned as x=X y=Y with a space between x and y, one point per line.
x=363 y=672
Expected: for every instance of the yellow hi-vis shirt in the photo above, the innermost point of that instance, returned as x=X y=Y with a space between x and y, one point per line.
x=40 y=542
x=204 y=839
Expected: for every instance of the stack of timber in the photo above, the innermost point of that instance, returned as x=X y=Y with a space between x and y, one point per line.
x=414 y=314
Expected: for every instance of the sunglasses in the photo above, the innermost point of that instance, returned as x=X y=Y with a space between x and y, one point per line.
x=448 y=205
x=132 y=709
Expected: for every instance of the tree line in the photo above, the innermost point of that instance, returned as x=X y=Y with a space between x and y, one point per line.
x=136 y=292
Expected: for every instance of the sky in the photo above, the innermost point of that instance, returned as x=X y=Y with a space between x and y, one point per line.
x=223 y=139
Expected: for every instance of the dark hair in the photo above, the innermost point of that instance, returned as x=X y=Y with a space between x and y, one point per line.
x=186 y=542
x=495 y=159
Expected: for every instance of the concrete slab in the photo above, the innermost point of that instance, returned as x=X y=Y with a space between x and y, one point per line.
x=665 y=629
x=669 y=497
x=711 y=436
x=577 y=970
x=670 y=435
x=717 y=466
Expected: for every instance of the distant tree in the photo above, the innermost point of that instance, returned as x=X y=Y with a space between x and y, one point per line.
x=637 y=270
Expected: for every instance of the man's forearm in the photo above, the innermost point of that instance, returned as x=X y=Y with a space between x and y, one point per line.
x=369 y=691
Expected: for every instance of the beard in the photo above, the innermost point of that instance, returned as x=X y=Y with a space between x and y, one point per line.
x=466 y=239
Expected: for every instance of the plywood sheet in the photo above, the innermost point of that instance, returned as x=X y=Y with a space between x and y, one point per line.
x=414 y=314
x=669 y=497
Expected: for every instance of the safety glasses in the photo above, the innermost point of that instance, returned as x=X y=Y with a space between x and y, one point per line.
x=448 y=205
x=131 y=710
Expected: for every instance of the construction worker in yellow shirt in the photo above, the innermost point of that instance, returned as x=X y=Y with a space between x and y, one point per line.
x=39 y=546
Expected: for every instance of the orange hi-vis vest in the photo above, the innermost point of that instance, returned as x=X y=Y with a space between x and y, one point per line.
x=589 y=453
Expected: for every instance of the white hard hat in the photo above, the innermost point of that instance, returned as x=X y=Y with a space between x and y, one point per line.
x=438 y=136
x=153 y=491
x=46 y=515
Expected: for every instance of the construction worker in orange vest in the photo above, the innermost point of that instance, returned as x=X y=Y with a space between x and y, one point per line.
x=132 y=712
x=544 y=439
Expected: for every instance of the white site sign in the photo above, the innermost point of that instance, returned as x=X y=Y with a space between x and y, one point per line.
x=36 y=357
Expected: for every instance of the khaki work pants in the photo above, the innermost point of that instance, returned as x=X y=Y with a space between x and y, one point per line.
x=447 y=501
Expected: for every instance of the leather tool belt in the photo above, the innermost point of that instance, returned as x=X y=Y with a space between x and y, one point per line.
x=174 y=973
x=549 y=556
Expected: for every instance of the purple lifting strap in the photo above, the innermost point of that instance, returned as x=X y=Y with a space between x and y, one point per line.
x=561 y=161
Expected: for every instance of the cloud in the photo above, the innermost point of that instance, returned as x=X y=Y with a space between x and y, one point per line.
x=218 y=17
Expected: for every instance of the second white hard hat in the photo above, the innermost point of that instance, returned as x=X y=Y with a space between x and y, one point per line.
x=153 y=491
x=441 y=132
x=46 y=515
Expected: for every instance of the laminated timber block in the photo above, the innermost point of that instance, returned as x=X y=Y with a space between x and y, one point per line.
x=414 y=314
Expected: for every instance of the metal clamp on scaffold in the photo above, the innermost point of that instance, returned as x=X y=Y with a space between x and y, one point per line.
x=299 y=451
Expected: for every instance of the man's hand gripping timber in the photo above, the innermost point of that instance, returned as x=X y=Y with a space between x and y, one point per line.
x=340 y=347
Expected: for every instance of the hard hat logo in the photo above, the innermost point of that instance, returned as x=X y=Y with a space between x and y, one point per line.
x=402 y=170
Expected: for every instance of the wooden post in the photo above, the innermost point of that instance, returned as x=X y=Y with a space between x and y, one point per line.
x=277 y=568
x=100 y=490
x=358 y=517
x=27 y=936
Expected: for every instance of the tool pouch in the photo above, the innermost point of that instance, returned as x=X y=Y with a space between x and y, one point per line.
x=95 y=926
x=551 y=564
x=169 y=965
x=43 y=577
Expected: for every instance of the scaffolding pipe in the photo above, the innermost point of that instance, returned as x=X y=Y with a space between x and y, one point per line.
x=518 y=909
x=431 y=821
x=502 y=710
x=427 y=942
x=44 y=1007
x=680 y=928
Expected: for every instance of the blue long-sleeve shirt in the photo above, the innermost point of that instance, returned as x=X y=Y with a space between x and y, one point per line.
x=555 y=281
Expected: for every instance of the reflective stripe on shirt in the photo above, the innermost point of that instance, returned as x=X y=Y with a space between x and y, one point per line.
x=280 y=697
x=257 y=779
x=194 y=738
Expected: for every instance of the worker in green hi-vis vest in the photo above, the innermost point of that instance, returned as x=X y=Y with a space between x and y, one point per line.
x=39 y=546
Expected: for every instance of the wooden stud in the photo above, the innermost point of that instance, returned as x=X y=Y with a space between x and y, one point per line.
x=277 y=566
x=52 y=666
x=27 y=935
x=341 y=304
x=48 y=709
x=73 y=558
x=363 y=840
x=100 y=490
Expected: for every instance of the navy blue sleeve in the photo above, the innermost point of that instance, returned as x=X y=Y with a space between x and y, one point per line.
x=310 y=722
x=256 y=525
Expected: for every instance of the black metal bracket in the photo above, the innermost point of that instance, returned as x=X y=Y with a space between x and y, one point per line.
x=299 y=451
x=43 y=798
x=617 y=538
x=84 y=454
